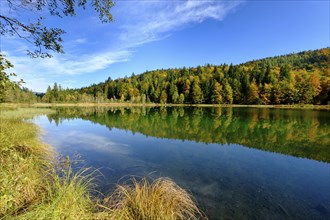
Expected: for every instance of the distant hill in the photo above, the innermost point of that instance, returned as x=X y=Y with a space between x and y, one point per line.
x=297 y=78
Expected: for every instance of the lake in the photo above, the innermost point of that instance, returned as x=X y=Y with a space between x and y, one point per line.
x=238 y=163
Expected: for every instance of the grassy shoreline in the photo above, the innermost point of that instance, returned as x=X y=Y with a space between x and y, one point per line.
x=128 y=104
x=33 y=184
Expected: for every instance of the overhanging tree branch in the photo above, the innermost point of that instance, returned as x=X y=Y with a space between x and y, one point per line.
x=43 y=38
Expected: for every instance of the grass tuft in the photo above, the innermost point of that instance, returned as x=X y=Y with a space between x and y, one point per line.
x=66 y=196
x=156 y=200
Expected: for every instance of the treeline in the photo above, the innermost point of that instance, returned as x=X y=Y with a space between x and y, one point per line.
x=16 y=94
x=295 y=78
x=293 y=132
x=300 y=78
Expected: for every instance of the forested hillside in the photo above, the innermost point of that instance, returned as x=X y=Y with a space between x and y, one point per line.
x=300 y=78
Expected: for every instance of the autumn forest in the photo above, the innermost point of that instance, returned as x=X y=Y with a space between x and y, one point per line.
x=298 y=78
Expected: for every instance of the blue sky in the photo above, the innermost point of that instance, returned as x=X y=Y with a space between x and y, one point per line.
x=148 y=35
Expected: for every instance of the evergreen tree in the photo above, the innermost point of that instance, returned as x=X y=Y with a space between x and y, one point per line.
x=186 y=89
x=196 y=93
x=55 y=92
x=48 y=97
x=163 y=97
x=227 y=93
x=181 y=98
x=216 y=97
x=253 y=95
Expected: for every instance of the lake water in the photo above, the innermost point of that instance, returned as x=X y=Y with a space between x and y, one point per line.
x=238 y=163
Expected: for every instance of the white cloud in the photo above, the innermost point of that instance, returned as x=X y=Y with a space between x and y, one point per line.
x=137 y=23
x=39 y=73
x=66 y=64
x=81 y=40
x=151 y=20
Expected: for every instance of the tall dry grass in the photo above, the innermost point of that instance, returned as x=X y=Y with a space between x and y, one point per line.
x=160 y=199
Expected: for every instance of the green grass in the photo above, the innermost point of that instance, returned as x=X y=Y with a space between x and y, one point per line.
x=9 y=112
x=32 y=187
x=65 y=197
x=23 y=163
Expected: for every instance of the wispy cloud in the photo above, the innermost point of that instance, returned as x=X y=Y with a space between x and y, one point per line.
x=67 y=64
x=39 y=74
x=81 y=40
x=137 y=23
x=151 y=20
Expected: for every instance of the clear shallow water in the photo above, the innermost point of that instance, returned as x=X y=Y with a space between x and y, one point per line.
x=238 y=163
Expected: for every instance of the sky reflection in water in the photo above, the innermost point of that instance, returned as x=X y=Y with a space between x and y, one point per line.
x=229 y=181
